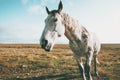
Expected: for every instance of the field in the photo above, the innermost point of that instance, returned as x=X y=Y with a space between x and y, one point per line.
x=30 y=62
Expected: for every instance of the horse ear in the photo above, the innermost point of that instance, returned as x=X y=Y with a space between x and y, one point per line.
x=60 y=7
x=47 y=10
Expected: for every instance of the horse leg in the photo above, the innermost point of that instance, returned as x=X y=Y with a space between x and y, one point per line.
x=88 y=64
x=95 y=65
x=81 y=67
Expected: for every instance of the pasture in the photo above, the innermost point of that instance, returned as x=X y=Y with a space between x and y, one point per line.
x=30 y=62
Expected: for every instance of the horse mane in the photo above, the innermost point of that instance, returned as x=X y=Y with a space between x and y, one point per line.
x=72 y=24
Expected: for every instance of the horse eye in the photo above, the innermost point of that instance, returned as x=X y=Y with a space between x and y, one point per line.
x=55 y=20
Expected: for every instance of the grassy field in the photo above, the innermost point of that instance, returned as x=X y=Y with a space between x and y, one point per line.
x=30 y=62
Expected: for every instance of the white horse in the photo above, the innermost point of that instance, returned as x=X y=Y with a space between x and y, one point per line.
x=81 y=41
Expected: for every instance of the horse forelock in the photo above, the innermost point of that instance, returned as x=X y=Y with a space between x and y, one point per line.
x=54 y=12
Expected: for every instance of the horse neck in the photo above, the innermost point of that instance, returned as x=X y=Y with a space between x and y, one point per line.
x=71 y=26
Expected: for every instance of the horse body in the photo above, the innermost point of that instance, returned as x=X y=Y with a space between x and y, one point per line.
x=82 y=42
x=80 y=39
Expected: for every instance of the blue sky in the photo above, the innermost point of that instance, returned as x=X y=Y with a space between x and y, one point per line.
x=22 y=21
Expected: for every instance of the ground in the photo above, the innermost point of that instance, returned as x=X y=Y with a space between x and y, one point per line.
x=30 y=62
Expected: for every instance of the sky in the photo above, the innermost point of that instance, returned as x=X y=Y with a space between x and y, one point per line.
x=22 y=21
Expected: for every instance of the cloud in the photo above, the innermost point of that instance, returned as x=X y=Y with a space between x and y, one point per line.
x=21 y=32
x=24 y=1
x=36 y=9
x=38 y=6
x=1 y=28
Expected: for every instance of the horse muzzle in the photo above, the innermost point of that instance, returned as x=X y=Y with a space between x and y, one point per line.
x=46 y=46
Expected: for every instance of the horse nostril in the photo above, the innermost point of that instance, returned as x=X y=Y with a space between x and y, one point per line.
x=42 y=45
x=46 y=42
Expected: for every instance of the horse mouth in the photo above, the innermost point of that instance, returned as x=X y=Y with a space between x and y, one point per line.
x=48 y=48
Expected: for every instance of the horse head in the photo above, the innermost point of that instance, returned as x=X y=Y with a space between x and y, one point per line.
x=53 y=28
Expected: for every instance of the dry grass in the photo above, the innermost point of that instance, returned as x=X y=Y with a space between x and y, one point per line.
x=30 y=62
